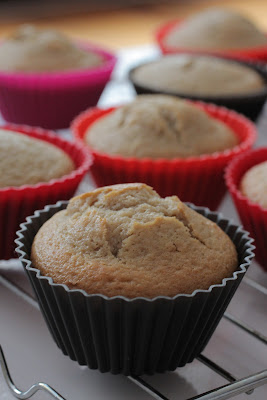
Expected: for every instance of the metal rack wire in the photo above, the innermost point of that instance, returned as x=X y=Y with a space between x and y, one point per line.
x=232 y=389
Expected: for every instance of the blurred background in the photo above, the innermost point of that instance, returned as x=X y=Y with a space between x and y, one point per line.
x=114 y=23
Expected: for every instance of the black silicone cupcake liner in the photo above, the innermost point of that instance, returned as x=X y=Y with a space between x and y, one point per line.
x=132 y=336
x=249 y=105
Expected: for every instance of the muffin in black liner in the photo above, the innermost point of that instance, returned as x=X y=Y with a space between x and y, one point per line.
x=249 y=105
x=132 y=336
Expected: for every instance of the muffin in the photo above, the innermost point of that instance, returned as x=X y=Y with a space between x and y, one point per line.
x=46 y=79
x=253 y=184
x=237 y=85
x=126 y=240
x=38 y=50
x=198 y=75
x=218 y=29
x=37 y=168
x=215 y=30
x=28 y=161
x=159 y=127
x=203 y=136
x=246 y=181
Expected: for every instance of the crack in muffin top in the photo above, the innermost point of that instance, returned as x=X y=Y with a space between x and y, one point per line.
x=127 y=240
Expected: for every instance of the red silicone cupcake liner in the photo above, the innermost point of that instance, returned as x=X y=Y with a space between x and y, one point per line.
x=16 y=203
x=197 y=179
x=253 y=53
x=252 y=215
x=52 y=100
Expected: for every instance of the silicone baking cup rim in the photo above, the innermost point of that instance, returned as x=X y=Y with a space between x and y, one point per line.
x=49 y=136
x=252 y=64
x=252 y=215
x=63 y=204
x=79 y=128
x=58 y=79
x=232 y=184
x=132 y=336
x=256 y=53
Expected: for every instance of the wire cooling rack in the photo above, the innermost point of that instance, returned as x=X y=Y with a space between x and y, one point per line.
x=117 y=92
x=232 y=389
x=235 y=386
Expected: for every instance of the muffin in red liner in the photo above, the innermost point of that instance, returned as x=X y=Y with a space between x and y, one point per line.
x=16 y=203
x=195 y=179
x=252 y=215
x=51 y=100
x=253 y=53
x=132 y=336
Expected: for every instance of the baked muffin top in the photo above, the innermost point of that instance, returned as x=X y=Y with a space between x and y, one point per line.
x=158 y=126
x=36 y=50
x=254 y=184
x=127 y=240
x=26 y=161
x=198 y=75
x=216 y=29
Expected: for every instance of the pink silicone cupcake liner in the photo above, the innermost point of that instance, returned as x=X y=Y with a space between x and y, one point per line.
x=252 y=53
x=197 y=179
x=52 y=100
x=252 y=215
x=16 y=203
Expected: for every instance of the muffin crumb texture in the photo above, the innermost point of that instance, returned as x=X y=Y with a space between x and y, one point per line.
x=254 y=184
x=38 y=50
x=198 y=75
x=159 y=126
x=216 y=29
x=127 y=240
x=25 y=160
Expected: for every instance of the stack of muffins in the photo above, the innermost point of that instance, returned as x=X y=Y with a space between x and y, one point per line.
x=130 y=279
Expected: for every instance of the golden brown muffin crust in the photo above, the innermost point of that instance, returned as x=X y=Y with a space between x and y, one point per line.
x=37 y=50
x=198 y=75
x=216 y=29
x=127 y=240
x=254 y=184
x=158 y=126
x=27 y=161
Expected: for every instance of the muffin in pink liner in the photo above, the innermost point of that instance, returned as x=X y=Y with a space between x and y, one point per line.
x=253 y=216
x=16 y=203
x=51 y=100
x=196 y=179
x=258 y=53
